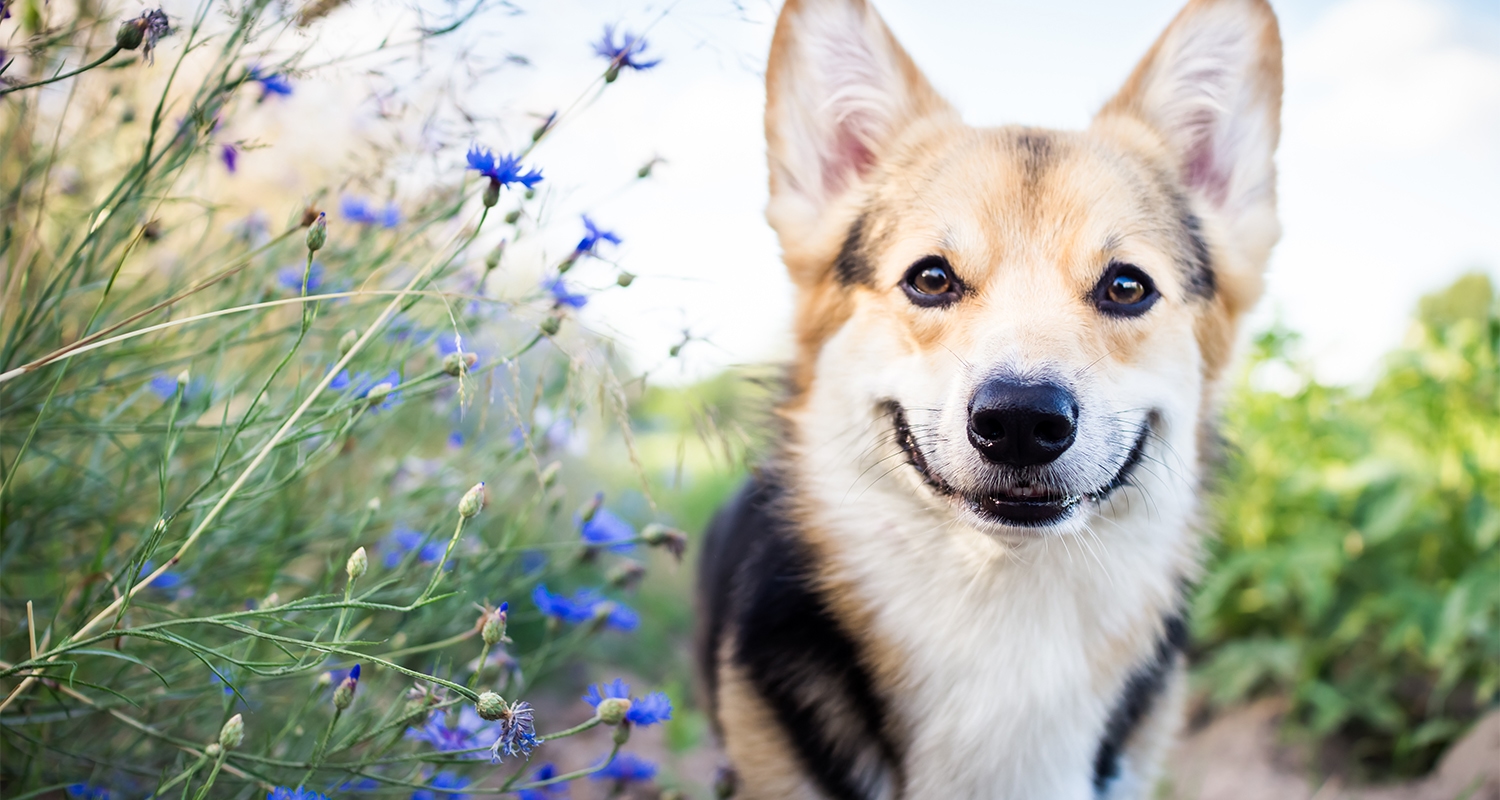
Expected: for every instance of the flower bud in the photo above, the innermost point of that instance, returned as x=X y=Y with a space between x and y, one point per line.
x=472 y=501
x=612 y=710
x=213 y=750
x=612 y=73
x=670 y=539
x=626 y=574
x=490 y=706
x=346 y=342
x=456 y=364
x=512 y=217
x=272 y=600
x=491 y=194
x=317 y=233
x=379 y=392
x=182 y=379
x=493 y=259
x=131 y=34
x=587 y=511
x=530 y=193
x=344 y=695
x=549 y=473
x=325 y=679
x=551 y=326
x=567 y=264
x=622 y=734
x=232 y=733
x=373 y=505
x=358 y=563
x=493 y=630
x=625 y=279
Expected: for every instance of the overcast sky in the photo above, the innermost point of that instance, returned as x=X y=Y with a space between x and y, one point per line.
x=1390 y=153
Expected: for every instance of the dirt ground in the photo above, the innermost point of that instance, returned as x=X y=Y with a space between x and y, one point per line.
x=1235 y=757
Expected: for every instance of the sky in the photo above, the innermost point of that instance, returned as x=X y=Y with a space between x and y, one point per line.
x=1389 y=158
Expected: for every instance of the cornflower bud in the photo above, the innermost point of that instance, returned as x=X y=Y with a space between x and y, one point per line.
x=549 y=473
x=491 y=194
x=344 y=695
x=317 y=233
x=472 y=501
x=346 y=342
x=493 y=259
x=612 y=710
x=456 y=364
x=670 y=539
x=587 y=511
x=132 y=32
x=358 y=563
x=182 y=379
x=373 y=505
x=551 y=326
x=622 y=734
x=232 y=733
x=490 y=706
x=326 y=679
x=511 y=217
x=625 y=279
x=213 y=750
x=493 y=630
x=378 y=393
x=530 y=193
x=626 y=574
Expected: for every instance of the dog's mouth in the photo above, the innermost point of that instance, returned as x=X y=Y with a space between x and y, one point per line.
x=1022 y=505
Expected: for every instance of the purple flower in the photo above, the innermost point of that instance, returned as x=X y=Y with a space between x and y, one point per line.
x=503 y=170
x=269 y=84
x=517 y=732
x=554 y=791
x=299 y=793
x=446 y=785
x=290 y=277
x=649 y=710
x=231 y=156
x=626 y=768
x=363 y=212
x=606 y=530
x=592 y=236
x=469 y=732
x=403 y=540
x=562 y=295
x=625 y=54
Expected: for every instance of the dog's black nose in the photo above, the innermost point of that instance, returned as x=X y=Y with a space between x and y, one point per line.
x=1022 y=424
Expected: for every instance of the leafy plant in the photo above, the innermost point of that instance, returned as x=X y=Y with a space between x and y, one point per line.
x=1358 y=566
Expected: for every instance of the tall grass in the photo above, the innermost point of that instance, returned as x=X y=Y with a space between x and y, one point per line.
x=268 y=487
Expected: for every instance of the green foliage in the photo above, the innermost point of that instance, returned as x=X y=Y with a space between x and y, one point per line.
x=1358 y=569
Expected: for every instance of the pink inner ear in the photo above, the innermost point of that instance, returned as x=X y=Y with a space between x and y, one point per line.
x=1204 y=173
x=849 y=158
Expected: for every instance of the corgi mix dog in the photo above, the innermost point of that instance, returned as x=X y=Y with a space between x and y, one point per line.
x=962 y=573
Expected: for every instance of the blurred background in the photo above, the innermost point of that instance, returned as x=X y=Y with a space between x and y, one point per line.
x=1346 y=639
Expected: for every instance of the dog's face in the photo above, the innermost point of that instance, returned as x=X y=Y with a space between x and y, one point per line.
x=1028 y=316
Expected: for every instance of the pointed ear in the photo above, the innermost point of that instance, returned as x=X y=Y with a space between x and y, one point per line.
x=839 y=89
x=1211 y=88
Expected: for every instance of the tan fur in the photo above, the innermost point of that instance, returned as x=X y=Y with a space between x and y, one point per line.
x=755 y=744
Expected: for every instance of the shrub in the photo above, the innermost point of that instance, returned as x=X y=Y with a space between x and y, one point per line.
x=1358 y=570
x=287 y=506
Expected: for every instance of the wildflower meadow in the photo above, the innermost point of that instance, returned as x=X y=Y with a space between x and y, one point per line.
x=292 y=506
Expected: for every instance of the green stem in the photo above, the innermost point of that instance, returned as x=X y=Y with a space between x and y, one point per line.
x=317 y=759
x=212 y=775
x=437 y=571
x=593 y=722
x=111 y=53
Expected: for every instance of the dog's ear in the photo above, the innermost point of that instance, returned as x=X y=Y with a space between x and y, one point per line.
x=839 y=88
x=1211 y=89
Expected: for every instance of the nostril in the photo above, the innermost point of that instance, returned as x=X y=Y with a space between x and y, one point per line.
x=1053 y=430
x=990 y=427
x=1022 y=424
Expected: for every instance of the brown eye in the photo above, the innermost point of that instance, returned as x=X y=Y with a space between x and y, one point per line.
x=1125 y=291
x=931 y=282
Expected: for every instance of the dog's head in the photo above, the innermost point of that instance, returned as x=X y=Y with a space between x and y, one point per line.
x=1026 y=314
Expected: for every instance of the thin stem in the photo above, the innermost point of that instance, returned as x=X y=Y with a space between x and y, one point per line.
x=212 y=775
x=437 y=571
x=111 y=53
x=317 y=758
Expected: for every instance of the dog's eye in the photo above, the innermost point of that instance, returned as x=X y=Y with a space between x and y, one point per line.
x=1125 y=291
x=931 y=282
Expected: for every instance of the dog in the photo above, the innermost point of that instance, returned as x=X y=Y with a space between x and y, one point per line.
x=961 y=574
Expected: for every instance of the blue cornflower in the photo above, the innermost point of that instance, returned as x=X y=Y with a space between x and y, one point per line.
x=608 y=531
x=624 y=54
x=517 y=732
x=340 y=381
x=585 y=605
x=361 y=785
x=299 y=793
x=167 y=581
x=456 y=440
x=649 y=710
x=562 y=295
x=290 y=276
x=363 y=383
x=362 y=211
x=554 y=791
x=559 y=606
x=442 y=781
x=231 y=156
x=88 y=791
x=403 y=540
x=269 y=84
x=626 y=768
x=163 y=385
x=592 y=236
x=469 y=732
x=501 y=170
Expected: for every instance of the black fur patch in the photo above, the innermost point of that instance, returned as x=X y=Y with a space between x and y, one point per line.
x=756 y=580
x=1141 y=690
x=852 y=267
x=1198 y=263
